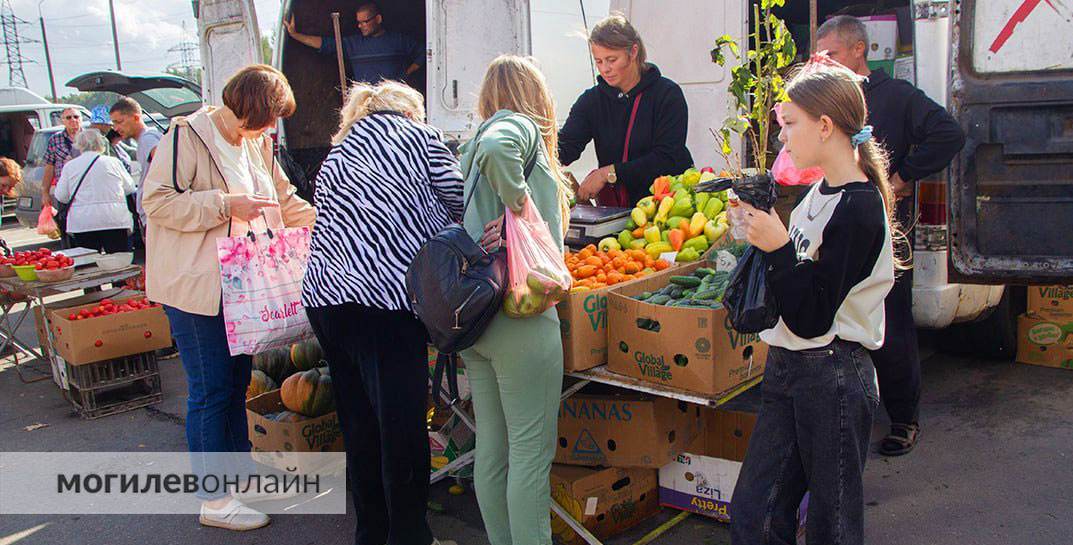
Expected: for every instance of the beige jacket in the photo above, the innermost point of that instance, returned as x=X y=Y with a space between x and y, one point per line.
x=182 y=269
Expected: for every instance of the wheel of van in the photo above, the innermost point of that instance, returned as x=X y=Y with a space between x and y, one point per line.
x=993 y=337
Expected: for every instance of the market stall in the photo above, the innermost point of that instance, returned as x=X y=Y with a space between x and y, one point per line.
x=88 y=341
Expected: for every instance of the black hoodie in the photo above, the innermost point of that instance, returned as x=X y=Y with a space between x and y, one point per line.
x=658 y=140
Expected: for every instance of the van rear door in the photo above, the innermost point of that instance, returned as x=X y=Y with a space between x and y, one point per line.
x=464 y=37
x=1011 y=197
x=679 y=35
x=229 y=39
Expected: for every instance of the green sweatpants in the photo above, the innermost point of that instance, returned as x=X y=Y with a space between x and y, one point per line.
x=515 y=372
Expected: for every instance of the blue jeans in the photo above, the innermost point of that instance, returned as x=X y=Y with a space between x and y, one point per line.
x=812 y=434
x=216 y=392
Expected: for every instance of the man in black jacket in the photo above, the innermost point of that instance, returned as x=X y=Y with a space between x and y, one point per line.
x=922 y=139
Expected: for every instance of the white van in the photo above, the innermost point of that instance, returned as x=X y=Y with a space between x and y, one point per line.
x=462 y=36
x=22 y=112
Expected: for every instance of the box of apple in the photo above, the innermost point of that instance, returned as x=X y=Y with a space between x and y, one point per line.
x=134 y=325
x=674 y=219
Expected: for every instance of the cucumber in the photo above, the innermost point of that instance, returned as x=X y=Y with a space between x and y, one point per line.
x=688 y=294
x=659 y=299
x=676 y=292
x=686 y=281
x=644 y=296
x=707 y=295
x=703 y=272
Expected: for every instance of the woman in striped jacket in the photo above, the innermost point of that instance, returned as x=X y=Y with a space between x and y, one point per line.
x=388 y=185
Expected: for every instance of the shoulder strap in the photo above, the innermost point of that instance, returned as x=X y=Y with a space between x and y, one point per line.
x=82 y=179
x=175 y=161
x=530 y=164
x=629 y=127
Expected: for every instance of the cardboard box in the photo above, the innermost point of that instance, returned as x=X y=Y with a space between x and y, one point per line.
x=41 y=325
x=905 y=68
x=695 y=349
x=606 y=501
x=1054 y=302
x=320 y=434
x=1045 y=341
x=117 y=335
x=882 y=36
x=705 y=485
x=583 y=322
x=624 y=430
x=727 y=433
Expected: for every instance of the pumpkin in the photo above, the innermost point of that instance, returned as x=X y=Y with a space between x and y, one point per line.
x=306 y=355
x=275 y=363
x=259 y=384
x=308 y=392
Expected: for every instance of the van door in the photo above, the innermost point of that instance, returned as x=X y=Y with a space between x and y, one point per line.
x=229 y=39
x=464 y=36
x=679 y=36
x=1011 y=197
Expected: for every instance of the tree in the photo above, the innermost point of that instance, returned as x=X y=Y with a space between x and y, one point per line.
x=757 y=83
x=266 y=50
x=193 y=74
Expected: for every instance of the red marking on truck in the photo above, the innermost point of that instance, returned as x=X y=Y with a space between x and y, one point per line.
x=1018 y=17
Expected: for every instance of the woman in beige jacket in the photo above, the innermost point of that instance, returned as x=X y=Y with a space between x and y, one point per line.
x=214 y=172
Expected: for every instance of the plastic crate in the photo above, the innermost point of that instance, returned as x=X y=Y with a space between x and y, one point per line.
x=114 y=386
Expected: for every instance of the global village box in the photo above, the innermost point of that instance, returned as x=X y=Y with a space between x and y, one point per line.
x=269 y=435
x=1045 y=341
x=694 y=349
x=1055 y=302
x=624 y=430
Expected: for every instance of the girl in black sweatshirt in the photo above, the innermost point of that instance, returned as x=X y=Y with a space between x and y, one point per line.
x=830 y=274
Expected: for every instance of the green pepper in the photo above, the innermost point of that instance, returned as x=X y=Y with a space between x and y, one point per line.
x=687 y=255
x=625 y=238
x=683 y=207
x=698 y=243
x=712 y=208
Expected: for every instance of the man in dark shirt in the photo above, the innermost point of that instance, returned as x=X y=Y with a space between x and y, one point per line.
x=375 y=53
x=922 y=139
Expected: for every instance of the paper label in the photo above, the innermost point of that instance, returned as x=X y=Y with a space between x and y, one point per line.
x=669 y=257
x=590 y=506
x=725 y=261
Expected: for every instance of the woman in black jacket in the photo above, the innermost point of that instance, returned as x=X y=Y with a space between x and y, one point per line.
x=637 y=118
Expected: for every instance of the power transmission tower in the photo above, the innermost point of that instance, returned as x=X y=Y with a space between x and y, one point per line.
x=9 y=25
x=189 y=57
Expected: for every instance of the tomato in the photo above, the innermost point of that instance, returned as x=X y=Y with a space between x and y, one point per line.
x=72 y=317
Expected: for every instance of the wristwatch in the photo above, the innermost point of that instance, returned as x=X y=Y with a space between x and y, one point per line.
x=612 y=178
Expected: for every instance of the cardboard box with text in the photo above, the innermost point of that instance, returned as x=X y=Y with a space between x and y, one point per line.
x=269 y=436
x=108 y=337
x=1044 y=341
x=607 y=501
x=1055 y=302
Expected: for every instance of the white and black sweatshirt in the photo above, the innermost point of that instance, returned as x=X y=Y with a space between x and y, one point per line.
x=830 y=280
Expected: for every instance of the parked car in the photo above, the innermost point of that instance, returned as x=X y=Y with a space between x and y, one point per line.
x=161 y=97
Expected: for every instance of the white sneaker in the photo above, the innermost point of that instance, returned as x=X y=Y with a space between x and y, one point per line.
x=233 y=516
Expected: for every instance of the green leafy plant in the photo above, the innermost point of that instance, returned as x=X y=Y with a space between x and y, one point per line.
x=756 y=83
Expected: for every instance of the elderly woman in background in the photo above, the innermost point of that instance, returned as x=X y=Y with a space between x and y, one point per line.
x=212 y=174
x=387 y=187
x=96 y=188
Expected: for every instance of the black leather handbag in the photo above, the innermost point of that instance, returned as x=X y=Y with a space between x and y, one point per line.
x=63 y=209
x=456 y=289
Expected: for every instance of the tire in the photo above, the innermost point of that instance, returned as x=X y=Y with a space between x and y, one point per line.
x=993 y=337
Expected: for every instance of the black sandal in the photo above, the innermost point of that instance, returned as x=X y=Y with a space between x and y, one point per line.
x=902 y=439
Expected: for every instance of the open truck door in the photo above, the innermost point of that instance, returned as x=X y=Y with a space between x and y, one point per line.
x=229 y=39
x=679 y=35
x=1011 y=196
x=464 y=37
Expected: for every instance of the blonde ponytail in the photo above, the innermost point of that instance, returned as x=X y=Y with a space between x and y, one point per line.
x=364 y=99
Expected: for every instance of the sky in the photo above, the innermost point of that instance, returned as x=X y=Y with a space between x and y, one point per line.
x=80 y=37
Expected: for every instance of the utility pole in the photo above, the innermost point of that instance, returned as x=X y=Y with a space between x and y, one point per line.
x=48 y=57
x=115 y=35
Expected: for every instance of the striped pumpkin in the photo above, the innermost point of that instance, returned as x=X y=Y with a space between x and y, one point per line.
x=309 y=392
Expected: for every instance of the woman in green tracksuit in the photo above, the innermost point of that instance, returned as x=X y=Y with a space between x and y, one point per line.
x=515 y=370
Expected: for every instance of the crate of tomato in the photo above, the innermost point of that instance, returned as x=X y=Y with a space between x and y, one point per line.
x=583 y=313
x=109 y=329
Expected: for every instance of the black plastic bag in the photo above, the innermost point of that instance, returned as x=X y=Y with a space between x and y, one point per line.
x=758 y=191
x=750 y=304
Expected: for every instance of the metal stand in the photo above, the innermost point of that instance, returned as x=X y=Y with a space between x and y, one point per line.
x=603 y=376
x=35 y=294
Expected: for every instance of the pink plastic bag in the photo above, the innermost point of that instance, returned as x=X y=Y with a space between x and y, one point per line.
x=784 y=171
x=261 y=279
x=46 y=225
x=538 y=277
